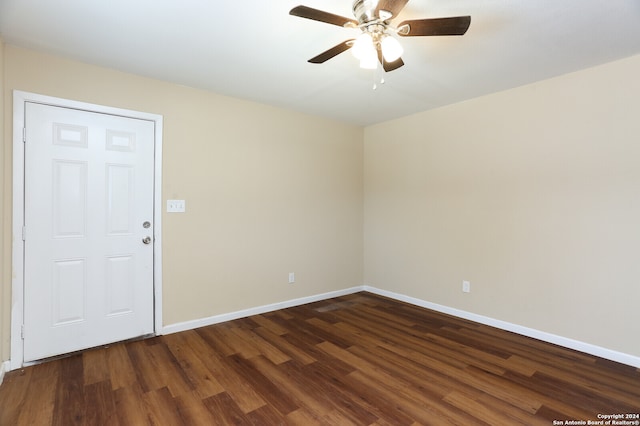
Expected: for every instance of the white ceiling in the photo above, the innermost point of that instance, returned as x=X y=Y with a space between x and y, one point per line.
x=253 y=49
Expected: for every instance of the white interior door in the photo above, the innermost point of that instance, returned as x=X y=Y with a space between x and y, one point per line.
x=88 y=217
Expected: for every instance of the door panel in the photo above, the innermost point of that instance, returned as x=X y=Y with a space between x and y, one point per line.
x=120 y=188
x=120 y=284
x=88 y=190
x=69 y=292
x=69 y=198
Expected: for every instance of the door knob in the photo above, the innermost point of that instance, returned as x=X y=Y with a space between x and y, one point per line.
x=146 y=240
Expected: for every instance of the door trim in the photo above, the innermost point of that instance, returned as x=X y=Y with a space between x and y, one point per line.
x=20 y=98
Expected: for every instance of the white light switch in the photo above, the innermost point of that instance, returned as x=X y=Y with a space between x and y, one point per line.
x=175 y=206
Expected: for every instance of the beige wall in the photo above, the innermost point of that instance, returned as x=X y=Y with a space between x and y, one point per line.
x=532 y=194
x=268 y=191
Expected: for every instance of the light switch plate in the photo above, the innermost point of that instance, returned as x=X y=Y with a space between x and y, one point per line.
x=176 y=206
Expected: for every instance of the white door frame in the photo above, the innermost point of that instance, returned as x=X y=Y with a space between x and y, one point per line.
x=17 y=286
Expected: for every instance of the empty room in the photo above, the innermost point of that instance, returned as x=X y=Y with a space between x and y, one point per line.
x=369 y=212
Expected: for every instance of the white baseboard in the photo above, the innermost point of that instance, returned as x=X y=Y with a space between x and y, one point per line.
x=503 y=325
x=518 y=329
x=190 y=325
x=4 y=367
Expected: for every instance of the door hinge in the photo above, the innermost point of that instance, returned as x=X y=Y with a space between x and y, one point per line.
x=22 y=331
x=24 y=233
x=24 y=134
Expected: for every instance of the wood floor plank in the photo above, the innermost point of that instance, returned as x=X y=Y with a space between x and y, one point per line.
x=266 y=415
x=118 y=363
x=414 y=407
x=146 y=367
x=302 y=417
x=344 y=388
x=335 y=417
x=561 y=390
x=195 y=368
x=215 y=337
x=403 y=392
x=521 y=365
x=40 y=399
x=304 y=394
x=100 y=404
x=404 y=370
x=300 y=330
x=230 y=336
x=192 y=410
x=264 y=322
x=403 y=340
x=482 y=412
x=162 y=408
x=18 y=381
x=593 y=387
x=171 y=374
x=130 y=406
x=93 y=362
x=508 y=410
x=350 y=401
x=311 y=379
x=358 y=359
x=273 y=395
x=225 y=411
x=70 y=405
x=235 y=386
x=501 y=389
x=292 y=351
x=160 y=368
x=386 y=317
x=472 y=356
x=262 y=347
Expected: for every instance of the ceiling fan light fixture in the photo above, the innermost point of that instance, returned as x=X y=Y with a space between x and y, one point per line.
x=369 y=61
x=364 y=50
x=391 y=49
x=377 y=43
x=362 y=46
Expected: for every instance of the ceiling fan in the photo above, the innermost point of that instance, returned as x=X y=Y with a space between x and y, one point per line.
x=376 y=42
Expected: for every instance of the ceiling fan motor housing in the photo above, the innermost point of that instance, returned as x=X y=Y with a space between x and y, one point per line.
x=364 y=11
x=366 y=14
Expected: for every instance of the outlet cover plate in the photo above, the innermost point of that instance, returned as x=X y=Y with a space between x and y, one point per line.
x=176 y=206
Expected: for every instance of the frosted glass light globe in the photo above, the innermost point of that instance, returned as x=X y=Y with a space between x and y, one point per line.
x=391 y=49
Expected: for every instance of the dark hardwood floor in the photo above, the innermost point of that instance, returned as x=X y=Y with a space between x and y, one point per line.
x=359 y=359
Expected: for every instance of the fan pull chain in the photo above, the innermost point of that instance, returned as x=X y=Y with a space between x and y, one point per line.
x=378 y=76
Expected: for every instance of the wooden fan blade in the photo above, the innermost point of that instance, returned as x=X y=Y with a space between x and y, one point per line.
x=393 y=6
x=436 y=27
x=319 y=15
x=334 y=51
x=389 y=66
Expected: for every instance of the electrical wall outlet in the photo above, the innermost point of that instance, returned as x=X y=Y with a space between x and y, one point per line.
x=466 y=286
x=292 y=277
